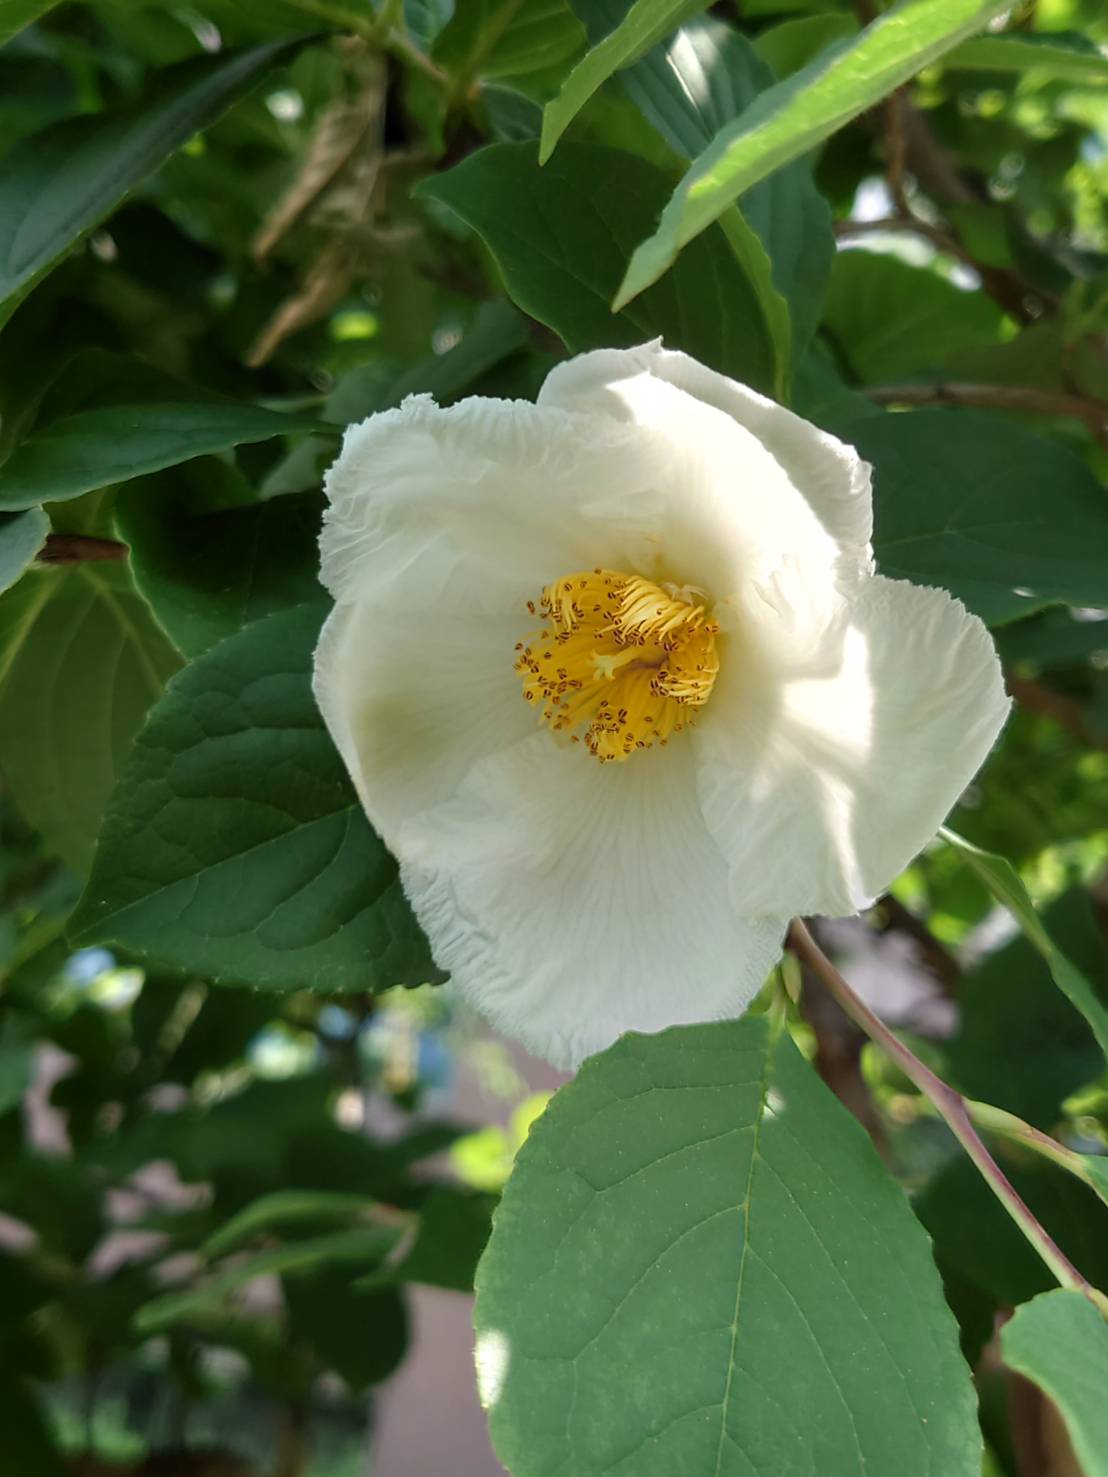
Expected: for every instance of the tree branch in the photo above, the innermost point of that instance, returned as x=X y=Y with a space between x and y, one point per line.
x=952 y=1108
x=78 y=548
x=1094 y=413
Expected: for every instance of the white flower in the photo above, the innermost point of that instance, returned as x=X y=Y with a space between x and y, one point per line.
x=658 y=568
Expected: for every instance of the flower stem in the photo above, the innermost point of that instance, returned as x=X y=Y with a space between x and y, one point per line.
x=953 y=1109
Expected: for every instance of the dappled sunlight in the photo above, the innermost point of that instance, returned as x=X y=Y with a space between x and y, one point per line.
x=492 y=1355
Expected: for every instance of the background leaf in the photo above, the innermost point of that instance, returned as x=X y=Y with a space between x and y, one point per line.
x=22 y=535
x=1061 y=1342
x=693 y=1227
x=958 y=502
x=81 y=662
x=799 y=113
x=60 y=184
x=235 y=846
x=15 y=14
x=1006 y=885
x=559 y=235
x=207 y=573
x=645 y=22
x=106 y=420
x=690 y=88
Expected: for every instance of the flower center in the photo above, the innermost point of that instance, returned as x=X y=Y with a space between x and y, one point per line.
x=627 y=660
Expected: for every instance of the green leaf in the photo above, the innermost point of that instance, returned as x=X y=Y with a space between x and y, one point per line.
x=891 y=321
x=560 y=235
x=360 y=1333
x=644 y=24
x=60 y=184
x=1044 y=1049
x=1066 y=55
x=507 y=38
x=958 y=502
x=700 y=1265
x=453 y=1230
x=234 y=845
x=284 y=1208
x=15 y=14
x=792 y=44
x=360 y=1247
x=975 y=1236
x=17 y=1062
x=495 y=335
x=107 y=420
x=688 y=90
x=1060 y=1342
x=22 y=535
x=28 y=1442
x=1005 y=884
x=791 y=118
x=81 y=662
x=207 y=574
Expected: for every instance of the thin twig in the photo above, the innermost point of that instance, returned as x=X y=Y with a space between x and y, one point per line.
x=1093 y=413
x=941 y=963
x=939 y=237
x=79 y=548
x=896 y=150
x=952 y=1107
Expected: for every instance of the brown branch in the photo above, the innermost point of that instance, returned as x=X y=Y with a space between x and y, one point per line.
x=79 y=548
x=951 y=1107
x=896 y=149
x=938 y=960
x=925 y=157
x=941 y=238
x=1094 y=413
x=838 y=1058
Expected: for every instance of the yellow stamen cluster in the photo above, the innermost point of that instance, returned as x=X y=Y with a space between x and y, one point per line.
x=630 y=661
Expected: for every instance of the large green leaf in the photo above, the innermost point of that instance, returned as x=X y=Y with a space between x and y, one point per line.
x=1006 y=885
x=107 y=419
x=57 y=186
x=1067 y=55
x=791 y=118
x=22 y=535
x=644 y=24
x=15 y=14
x=234 y=844
x=208 y=573
x=81 y=662
x=694 y=86
x=1061 y=1342
x=975 y=1237
x=889 y=320
x=560 y=235
x=700 y=1266
x=507 y=38
x=1044 y=1049
x=958 y=502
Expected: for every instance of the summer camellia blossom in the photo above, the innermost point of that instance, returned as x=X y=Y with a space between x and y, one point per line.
x=618 y=685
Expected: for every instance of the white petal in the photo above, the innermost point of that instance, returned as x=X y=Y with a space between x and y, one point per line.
x=821 y=787
x=572 y=901
x=413 y=700
x=477 y=507
x=831 y=477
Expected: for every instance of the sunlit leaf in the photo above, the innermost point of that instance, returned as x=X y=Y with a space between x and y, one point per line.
x=791 y=118
x=694 y=1227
